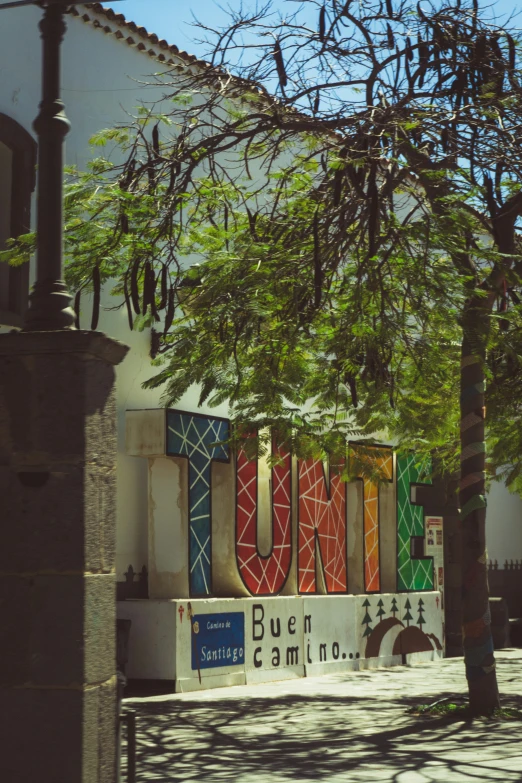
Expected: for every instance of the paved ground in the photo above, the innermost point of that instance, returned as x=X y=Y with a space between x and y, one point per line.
x=352 y=728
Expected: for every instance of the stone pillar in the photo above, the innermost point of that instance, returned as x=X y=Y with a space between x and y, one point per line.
x=57 y=553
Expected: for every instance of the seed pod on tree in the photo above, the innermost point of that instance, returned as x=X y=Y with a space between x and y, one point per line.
x=134 y=288
x=77 y=308
x=280 y=65
x=164 y=287
x=169 y=316
x=96 y=283
x=322 y=23
x=128 y=305
x=391 y=39
x=155 y=139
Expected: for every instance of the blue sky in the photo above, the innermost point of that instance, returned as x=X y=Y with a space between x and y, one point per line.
x=171 y=19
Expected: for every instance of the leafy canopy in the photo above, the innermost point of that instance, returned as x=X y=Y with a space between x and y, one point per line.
x=348 y=226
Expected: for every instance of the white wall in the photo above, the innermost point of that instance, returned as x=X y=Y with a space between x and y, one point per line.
x=503 y=525
x=101 y=87
x=104 y=81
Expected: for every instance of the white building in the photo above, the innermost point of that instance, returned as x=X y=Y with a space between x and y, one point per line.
x=106 y=61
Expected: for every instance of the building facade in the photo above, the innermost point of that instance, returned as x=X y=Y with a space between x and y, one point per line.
x=229 y=571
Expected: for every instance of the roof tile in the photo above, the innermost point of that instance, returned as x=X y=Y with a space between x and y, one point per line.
x=95 y=10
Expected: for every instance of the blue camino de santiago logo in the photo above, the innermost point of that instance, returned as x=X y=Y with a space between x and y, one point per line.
x=218 y=640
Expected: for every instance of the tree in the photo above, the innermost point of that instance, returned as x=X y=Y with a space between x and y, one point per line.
x=394 y=608
x=380 y=612
x=360 y=237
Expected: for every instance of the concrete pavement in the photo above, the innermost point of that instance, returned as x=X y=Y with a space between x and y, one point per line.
x=352 y=727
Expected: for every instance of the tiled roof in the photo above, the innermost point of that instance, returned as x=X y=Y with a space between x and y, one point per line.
x=159 y=49
x=130 y=33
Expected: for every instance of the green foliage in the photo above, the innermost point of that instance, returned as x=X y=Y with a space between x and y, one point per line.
x=446 y=708
x=342 y=244
x=376 y=350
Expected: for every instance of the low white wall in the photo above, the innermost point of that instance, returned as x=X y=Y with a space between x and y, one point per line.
x=210 y=643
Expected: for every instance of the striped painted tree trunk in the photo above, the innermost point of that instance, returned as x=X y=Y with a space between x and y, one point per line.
x=476 y=619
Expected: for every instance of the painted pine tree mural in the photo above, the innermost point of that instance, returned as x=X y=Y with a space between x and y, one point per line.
x=421 y=621
x=380 y=612
x=407 y=616
x=394 y=608
x=367 y=619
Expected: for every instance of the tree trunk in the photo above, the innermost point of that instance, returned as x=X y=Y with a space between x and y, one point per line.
x=476 y=619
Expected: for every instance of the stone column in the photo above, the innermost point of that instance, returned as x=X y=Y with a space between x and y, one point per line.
x=57 y=553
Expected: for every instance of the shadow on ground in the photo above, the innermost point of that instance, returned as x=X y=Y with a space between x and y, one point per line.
x=322 y=736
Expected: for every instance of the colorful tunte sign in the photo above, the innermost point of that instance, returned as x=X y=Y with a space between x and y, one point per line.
x=293 y=529
x=263 y=569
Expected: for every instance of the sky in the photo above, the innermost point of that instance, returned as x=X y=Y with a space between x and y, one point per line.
x=171 y=19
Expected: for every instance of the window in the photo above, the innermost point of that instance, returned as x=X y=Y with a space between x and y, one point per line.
x=17 y=181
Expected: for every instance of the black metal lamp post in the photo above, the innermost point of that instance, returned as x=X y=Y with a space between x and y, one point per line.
x=62 y=367
x=49 y=307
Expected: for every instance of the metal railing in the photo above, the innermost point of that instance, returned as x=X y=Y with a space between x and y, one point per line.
x=129 y=718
